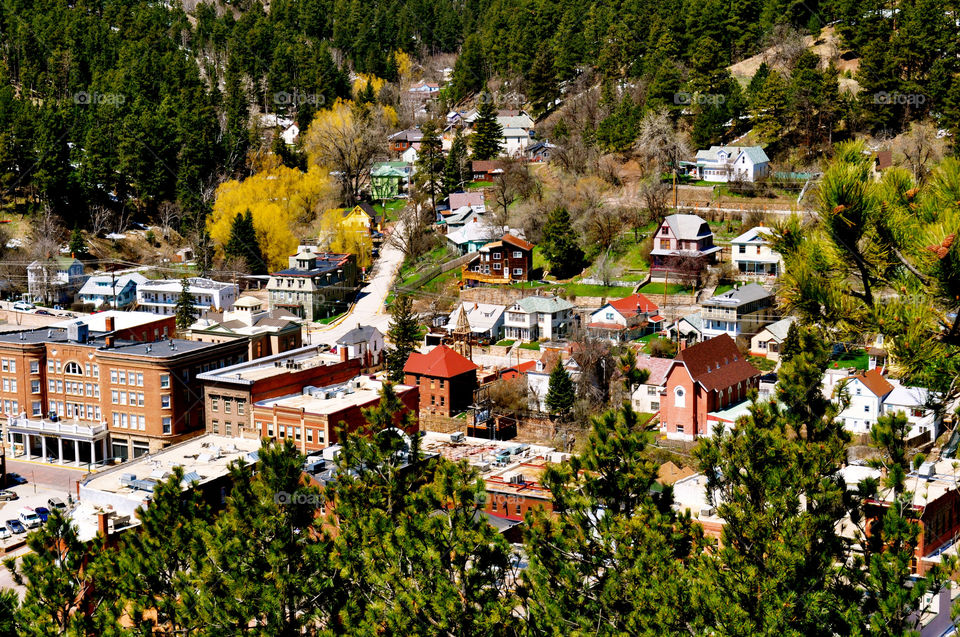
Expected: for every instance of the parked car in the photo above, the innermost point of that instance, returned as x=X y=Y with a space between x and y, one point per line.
x=44 y=313
x=29 y=518
x=14 y=526
x=56 y=503
x=5 y=533
x=23 y=306
x=43 y=513
x=7 y=495
x=15 y=478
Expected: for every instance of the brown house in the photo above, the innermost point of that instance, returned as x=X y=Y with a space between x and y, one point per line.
x=505 y=261
x=486 y=170
x=445 y=378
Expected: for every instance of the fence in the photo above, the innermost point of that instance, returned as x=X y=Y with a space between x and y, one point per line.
x=432 y=273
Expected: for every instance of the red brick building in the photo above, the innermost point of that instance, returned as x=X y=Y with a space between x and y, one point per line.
x=704 y=378
x=445 y=378
x=311 y=417
x=505 y=261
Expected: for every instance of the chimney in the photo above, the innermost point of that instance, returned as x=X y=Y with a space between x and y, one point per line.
x=343 y=353
x=102 y=527
x=109 y=342
x=110 y=323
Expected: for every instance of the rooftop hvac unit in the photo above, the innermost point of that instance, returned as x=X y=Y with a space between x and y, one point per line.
x=340 y=394
x=457 y=437
x=707 y=511
x=309 y=390
x=927 y=470
x=517 y=479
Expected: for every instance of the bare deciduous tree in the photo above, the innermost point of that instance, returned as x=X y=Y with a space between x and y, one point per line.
x=168 y=215
x=659 y=144
x=101 y=219
x=919 y=149
x=413 y=234
x=509 y=395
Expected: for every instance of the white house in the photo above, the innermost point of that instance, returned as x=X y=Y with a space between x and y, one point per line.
x=767 y=341
x=625 y=319
x=538 y=317
x=363 y=342
x=117 y=290
x=731 y=163
x=870 y=395
x=54 y=280
x=160 y=296
x=538 y=378
x=486 y=319
x=752 y=256
x=742 y=311
x=689 y=328
x=515 y=141
x=646 y=396
x=290 y=134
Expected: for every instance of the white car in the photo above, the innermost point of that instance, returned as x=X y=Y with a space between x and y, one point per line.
x=5 y=533
x=23 y=306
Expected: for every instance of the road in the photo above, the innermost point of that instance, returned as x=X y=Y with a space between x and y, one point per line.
x=369 y=308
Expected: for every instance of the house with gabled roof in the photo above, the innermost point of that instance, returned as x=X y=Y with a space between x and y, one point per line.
x=868 y=395
x=704 y=379
x=364 y=342
x=647 y=396
x=116 y=290
x=625 y=319
x=681 y=238
x=731 y=163
x=767 y=342
x=742 y=311
x=538 y=317
x=752 y=255
x=504 y=261
x=538 y=378
x=446 y=380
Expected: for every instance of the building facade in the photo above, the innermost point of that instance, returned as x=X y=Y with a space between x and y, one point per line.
x=742 y=311
x=315 y=285
x=682 y=242
x=752 y=255
x=445 y=380
x=54 y=280
x=160 y=296
x=507 y=260
x=539 y=317
x=266 y=332
x=117 y=291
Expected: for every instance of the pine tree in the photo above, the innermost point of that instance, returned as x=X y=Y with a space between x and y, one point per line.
x=185 y=311
x=769 y=108
x=78 y=245
x=487 y=136
x=243 y=243
x=791 y=344
x=560 y=246
x=403 y=334
x=430 y=163
x=456 y=172
x=561 y=393
x=542 y=85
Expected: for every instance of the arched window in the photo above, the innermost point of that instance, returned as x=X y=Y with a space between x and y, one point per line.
x=73 y=368
x=679 y=397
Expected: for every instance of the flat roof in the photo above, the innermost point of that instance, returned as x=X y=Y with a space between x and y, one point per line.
x=292 y=360
x=332 y=398
x=97 y=340
x=121 y=320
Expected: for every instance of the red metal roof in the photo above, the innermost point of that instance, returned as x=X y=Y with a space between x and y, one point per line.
x=634 y=304
x=520 y=243
x=717 y=363
x=441 y=362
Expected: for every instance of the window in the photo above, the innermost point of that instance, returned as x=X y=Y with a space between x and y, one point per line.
x=116 y=419
x=497 y=266
x=73 y=368
x=866 y=408
x=518 y=271
x=241 y=407
x=50 y=367
x=679 y=429
x=517 y=254
x=122 y=377
x=228 y=429
x=655 y=405
x=123 y=398
x=4 y=365
x=742 y=249
x=227 y=405
x=652 y=391
x=34 y=386
x=496 y=256
x=493 y=504
x=214 y=403
x=309 y=435
x=36 y=408
x=858 y=391
x=518 y=507
x=679 y=399
x=916 y=413
x=34 y=367
x=609 y=316
x=140 y=400
x=269 y=429
x=58 y=366
x=215 y=426
x=167 y=424
x=59 y=386
x=113 y=376
x=139 y=379
x=164 y=381
x=165 y=401
x=96 y=371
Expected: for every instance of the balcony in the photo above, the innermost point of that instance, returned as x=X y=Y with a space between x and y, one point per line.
x=73 y=428
x=498 y=279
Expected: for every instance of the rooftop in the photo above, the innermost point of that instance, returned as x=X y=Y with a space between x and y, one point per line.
x=97 y=340
x=440 y=362
x=195 y=282
x=121 y=320
x=688 y=227
x=740 y=296
x=716 y=363
x=544 y=304
x=258 y=369
x=333 y=398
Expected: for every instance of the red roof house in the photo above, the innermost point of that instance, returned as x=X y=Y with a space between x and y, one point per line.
x=625 y=319
x=707 y=377
x=446 y=380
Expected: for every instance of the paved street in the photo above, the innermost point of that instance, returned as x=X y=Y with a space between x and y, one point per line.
x=369 y=308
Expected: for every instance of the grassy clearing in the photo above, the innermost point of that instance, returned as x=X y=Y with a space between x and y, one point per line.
x=672 y=288
x=582 y=289
x=331 y=319
x=532 y=346
x=391 y=210
x=857 y=358
x=723 y=287
x=762 y=363
x=507 y=342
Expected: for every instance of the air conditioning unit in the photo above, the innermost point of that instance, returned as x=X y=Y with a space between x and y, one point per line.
x=457 y=437
x=517 y=479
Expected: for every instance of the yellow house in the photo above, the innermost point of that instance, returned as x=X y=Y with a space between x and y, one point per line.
x=351 y=230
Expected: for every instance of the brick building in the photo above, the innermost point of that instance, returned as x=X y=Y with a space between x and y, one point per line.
x=80 y=396
x=230 y=392
x=506 y=260
x=312 y=416
x=702 y=379
x=146 y=327
x=266 y=331
x=446 y=380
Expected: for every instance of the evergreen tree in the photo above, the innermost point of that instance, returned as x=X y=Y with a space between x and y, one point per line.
x=770 y=109
x=243 y=243
x=430 y=163
x=469 y=72
x=542 y=85
x=561 y=392
x=456 y=172
x=403 y=333
x=487 y=136
x=791 y=344
x=560 y=246
x=78 y=245
x=185 y=311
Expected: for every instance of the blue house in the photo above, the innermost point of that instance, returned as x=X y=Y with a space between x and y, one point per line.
x=118 y=291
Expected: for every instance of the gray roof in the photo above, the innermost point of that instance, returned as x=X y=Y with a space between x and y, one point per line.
x=740 y=296
x=687 y=226
x=779 y=329
x=695 y=320
x=755 y=153
x=760 y=234
x=544 y=304
x=359 y=334
x=97 y=340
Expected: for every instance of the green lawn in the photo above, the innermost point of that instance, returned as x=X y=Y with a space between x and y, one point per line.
x=857 y=358
x=479 y=184
x=507 y=342
x=655 y=287
x=723 y=287
x=534 y=346
x=762 y=363
x=391 y=209
x=331 y=319
x=582 y=289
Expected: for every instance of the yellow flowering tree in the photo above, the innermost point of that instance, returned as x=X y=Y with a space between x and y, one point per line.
x=338 y=236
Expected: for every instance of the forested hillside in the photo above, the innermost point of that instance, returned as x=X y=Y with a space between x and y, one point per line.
x=108 y=102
